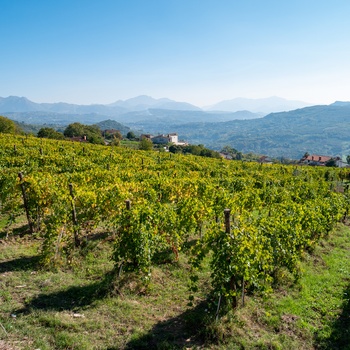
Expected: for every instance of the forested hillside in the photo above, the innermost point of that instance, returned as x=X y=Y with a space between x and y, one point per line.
x=318 y=129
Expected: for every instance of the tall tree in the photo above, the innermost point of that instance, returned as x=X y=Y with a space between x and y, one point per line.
x=146 y=145
x=91 y=132
x=50 y=133
x=8 y=126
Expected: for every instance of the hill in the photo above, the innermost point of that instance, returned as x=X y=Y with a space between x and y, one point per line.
x=112 y=124
x=35 y=125
x=39 y=117
x=143 y=102
x=316 y=129
x=140 y=103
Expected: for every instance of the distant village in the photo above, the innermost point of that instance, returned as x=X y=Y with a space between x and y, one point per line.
x=318 y=160
x=313 y=160
x=173 y=138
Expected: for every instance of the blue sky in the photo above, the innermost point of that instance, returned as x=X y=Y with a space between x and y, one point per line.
x=197 y=51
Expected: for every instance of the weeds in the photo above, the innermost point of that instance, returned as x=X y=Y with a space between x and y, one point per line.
x=89 y=307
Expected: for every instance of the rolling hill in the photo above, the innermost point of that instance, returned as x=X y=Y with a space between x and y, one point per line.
x=316 y=129
x=322 y=129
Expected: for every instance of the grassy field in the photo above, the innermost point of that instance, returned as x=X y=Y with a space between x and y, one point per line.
x=84 y=308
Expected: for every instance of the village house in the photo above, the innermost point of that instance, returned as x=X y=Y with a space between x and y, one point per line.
x=318 y=160
x=146 y=136
x=164 y=139
x=265 y=160
x=341 y=164
x=79 y=139
x=161 y=139
x=226 y=155
x=314 y=159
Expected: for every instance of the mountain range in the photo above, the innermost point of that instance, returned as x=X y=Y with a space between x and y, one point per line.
x=141 y=109
x=140 y=103
x=262 y=105
x=323 y=130
x=320 y=129
x=144 y=103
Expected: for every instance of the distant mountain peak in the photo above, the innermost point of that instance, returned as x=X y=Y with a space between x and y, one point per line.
x=259 y=105
x=341 y=103
x=144 y=102
x=138 y=103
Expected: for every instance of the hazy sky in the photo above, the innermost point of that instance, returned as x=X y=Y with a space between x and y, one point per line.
x=198 y=51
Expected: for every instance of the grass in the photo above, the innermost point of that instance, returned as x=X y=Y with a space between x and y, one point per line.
x=310 y=314
x=130 y=144
x=73 y=309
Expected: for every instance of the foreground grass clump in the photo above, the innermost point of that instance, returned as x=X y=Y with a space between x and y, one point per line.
x=79 y=308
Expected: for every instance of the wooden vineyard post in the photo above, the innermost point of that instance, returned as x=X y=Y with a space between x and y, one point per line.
x=218 y=309
x=227 y=213
x=25 y=202
x=233 y=285
x=243 y=291
x=74 y=217
x=128 y=207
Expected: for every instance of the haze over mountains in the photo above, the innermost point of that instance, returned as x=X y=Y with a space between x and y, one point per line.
x=286 y=133
x=144 y=103
x=262 y=105
x=323 y=130
x=141 y=110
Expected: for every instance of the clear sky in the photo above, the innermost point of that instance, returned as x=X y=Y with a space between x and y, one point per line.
x=197 y=51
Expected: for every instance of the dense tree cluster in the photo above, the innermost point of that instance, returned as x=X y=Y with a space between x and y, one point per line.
x=130 y=135
x=8 y=126
x=198 y=150
x=232 y=152
x=146 y=145
x=50 y=133
x=91 y=132
x=112 y=135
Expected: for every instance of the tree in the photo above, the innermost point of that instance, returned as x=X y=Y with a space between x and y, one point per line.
x=145 y=145
x=199 y=150
x=331 y=163
x=232 y=152
x=348 y=158
x=8 y=126
x=118 y=135
x=130 y=135
x=229 y=150
x=75 y=129
x=50 y=133
x=113 y=134
x=91 y=132
x=175 y=149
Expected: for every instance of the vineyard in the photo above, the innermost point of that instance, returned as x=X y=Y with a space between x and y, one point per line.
x=249 y=220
